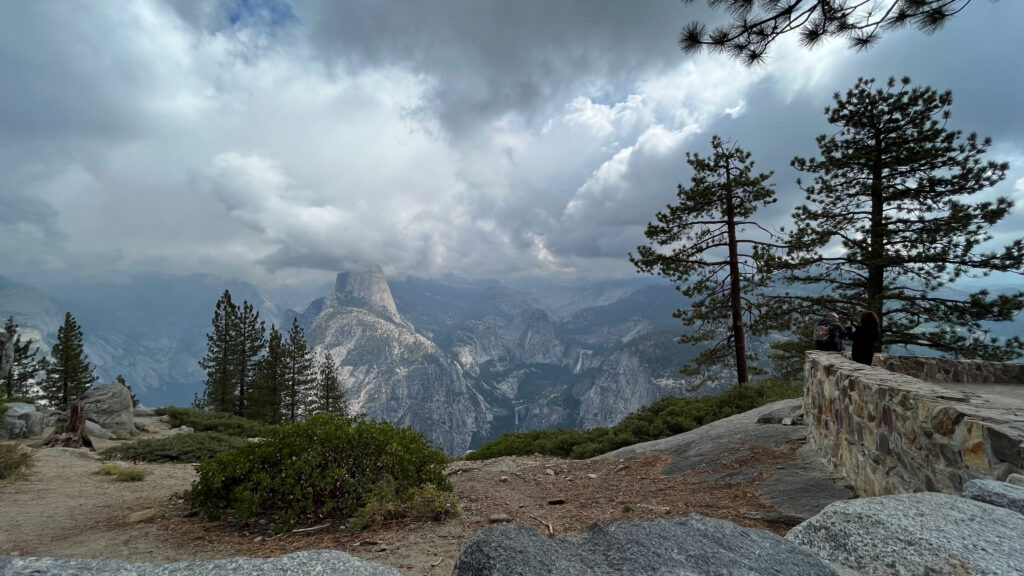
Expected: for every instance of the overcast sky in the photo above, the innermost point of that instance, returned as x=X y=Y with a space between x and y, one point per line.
x=282 y=141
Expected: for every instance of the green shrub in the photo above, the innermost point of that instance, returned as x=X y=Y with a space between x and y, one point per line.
x=194 y=447
x=384 y=505
x=325 y=468
x=122 y=473
x=203 y=421
x=15 y=462
x=666 y=417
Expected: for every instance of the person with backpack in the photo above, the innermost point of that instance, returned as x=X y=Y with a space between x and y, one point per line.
x=829 y=333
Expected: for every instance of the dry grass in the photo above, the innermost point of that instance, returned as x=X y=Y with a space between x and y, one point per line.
x=15 y=462
x=122 y=473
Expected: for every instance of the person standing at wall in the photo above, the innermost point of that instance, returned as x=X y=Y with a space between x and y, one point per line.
x=865 y=335
x=829 y=333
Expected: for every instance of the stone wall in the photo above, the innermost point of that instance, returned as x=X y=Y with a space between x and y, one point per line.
x=891 y=433
x=945 y=370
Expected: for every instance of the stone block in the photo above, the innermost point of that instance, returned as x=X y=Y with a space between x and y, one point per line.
x=1005 y=446
x=972 y=447
x=945 y=419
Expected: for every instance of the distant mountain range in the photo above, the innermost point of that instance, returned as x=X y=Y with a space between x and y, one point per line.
x=460 y=360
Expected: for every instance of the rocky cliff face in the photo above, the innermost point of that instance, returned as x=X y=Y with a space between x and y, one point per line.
x=625 y=381
x=465 y=361
x=391 y=372
x=459 y=360
x=371 y=286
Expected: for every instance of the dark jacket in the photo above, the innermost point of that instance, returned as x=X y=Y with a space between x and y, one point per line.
x=864 y=338
x=836 y=332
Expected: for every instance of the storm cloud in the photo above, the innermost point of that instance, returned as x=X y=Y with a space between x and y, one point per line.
x=276 y=140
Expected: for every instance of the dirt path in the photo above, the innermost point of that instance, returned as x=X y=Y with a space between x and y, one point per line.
x=65 y=509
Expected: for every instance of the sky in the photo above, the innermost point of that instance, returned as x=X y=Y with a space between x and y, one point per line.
x=283 y=141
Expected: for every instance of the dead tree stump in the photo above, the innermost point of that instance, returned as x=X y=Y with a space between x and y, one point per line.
x=72 y=434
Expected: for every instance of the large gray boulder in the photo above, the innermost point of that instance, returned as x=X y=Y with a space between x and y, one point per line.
x=31 y=421
x=996 y=493
x=110 y=406
x=691 y=545
x=917 y=534
x=12 y=428
x=311 y=563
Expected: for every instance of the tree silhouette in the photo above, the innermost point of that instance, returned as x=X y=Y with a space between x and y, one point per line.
x=888 y=223
x=699 y=243
x=757 y=24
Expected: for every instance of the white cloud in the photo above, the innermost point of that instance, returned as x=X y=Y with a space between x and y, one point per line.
x=480 y=138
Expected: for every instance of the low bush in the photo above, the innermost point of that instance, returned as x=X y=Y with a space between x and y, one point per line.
x=15 y=462
x=666 y=417
x=385 y=505
x=122 y=473
x=203 y=421
x=326 y=468
x=194 y=447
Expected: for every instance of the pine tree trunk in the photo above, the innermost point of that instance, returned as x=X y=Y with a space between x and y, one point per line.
x=72 y=434
x=734 y=287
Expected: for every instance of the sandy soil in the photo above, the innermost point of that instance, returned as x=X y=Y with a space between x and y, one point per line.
x=63 y=508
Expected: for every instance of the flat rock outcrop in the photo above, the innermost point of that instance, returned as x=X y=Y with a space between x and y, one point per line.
x=801 y=488
x=691 y=545
x=312 y=563
x=916 y=534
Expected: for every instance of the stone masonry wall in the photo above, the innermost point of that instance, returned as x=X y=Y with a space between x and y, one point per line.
x=890 y=433
x=945 y=370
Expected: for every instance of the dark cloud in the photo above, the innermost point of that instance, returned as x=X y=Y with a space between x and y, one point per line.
x=489 y=57
x=271 y=139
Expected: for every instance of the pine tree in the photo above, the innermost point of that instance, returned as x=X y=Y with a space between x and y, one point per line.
x=251 y=340
x=221 y=388
x=298 y=373
x=270 y=381
x=327 y=396
x=887 y=223
x=23 y=366
x=120 y=380
x=756 y=25
x=68 y=373
x=708 y=245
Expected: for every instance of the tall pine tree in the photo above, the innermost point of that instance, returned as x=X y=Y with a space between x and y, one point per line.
x=251 y=340
x=710 y=247
x=298 y=373
x=23 y=366
x=68 y=373
x=888 y=223
x=327 y=396
x=221 y=389
x=270 y=380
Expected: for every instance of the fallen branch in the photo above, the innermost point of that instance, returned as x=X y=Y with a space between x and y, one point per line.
x=311 y=528
x=436 y=562
x=551 y=529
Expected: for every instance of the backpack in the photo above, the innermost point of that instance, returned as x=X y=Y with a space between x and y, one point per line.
x=822 y=333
